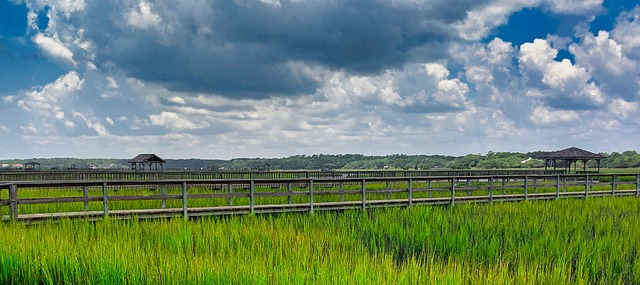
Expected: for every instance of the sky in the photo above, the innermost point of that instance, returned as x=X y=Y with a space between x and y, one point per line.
x=274 y=78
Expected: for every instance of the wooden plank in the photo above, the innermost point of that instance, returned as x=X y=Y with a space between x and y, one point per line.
x=219 y=195
x=57 y=200
x=143 y=197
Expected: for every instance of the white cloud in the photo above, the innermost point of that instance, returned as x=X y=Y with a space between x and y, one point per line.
x=54 y=49
x=143 y=17
x=545 y=116
x=175 y=122
x=44 y=101
x=627 y=32
x=479 y=22
x=563 y=78
x=177 y=100
x=112 y=82
x=66 y=7
x=575 y=6
x=605 y=60
x=451 y=92
x=622 y=108
x=98 y=128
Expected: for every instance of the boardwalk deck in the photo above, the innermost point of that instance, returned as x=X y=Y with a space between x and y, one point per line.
x=38 y=201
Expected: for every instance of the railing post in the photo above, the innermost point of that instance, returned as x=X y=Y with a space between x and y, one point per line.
x=251 y=197
x=637 y=185
x=388 y=195
x=185 y=213
x=290 y=191
x=163 y=192
x=526 y=188
x=105 y=201
x=491 y=190
x=13 y=202
x=504 y=187
x=364 y=197
x=410 y=192
x=85 y=194
x=230 y=191
x=341 y=191
x=311 y=196
x=453 y=191
x=586 y=186
x=557 y=187
x=614 y=184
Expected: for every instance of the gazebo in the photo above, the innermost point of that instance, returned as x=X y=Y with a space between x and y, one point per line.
x=32 y=166
x=149 y=160
x=571 y=156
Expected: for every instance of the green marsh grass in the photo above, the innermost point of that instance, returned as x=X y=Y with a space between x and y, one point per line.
x=553 y=242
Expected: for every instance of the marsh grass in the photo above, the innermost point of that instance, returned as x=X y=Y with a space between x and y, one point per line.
x=553 y=242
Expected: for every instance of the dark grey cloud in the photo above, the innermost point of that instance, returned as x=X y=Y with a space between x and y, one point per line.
x=242 y=48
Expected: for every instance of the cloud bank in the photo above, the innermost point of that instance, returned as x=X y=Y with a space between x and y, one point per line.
x=224 y=79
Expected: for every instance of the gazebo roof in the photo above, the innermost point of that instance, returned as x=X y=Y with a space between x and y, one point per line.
x=572 y=153
x=32 y=163
x=146 y=157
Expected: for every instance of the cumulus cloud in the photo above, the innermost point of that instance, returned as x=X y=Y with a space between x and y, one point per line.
x=44 y=101
x=175 y=122
x=571 y=85
x=546 y=116
x=142 y=16
x=479 y=22
x=54 y=49
x=622 y=108
x=605 y=60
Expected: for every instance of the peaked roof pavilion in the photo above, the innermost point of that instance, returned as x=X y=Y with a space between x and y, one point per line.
x=141 y=161
x=571 y=156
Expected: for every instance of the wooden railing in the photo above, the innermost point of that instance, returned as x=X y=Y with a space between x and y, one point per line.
x=174 y=174
x=32 y=201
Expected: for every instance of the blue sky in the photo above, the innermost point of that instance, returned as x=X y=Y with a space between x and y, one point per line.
x=273 y=78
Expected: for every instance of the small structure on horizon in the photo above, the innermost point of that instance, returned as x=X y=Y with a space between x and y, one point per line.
x=263 y=167
x=31 y=166
x=571 y=156
x=147 y=161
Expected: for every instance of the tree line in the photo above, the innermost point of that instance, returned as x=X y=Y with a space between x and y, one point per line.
x=490 y=160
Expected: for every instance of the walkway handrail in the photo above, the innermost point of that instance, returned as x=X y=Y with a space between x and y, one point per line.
x=313 y=194
x=225 y=174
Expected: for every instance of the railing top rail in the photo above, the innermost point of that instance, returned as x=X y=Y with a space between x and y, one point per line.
x=106 y=171
x=63 y=183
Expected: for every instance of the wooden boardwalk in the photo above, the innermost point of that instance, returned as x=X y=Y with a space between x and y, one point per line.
x=38 y=201
x=116 y=175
